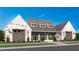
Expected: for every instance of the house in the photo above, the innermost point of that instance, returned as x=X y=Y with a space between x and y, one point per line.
x=36 y=30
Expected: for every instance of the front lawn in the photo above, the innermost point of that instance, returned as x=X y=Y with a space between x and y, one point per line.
x=71 y=42
x=23 y=44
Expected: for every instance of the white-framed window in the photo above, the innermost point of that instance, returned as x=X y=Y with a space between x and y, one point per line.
x=43 y=25
x=34 y=25
x=49 y=25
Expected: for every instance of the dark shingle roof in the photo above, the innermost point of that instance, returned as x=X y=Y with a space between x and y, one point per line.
x=41 y=29
x=32 y=20
x=60 y=26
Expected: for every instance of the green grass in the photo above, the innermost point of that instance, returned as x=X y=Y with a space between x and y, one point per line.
x=71 y=42
x=3 y=44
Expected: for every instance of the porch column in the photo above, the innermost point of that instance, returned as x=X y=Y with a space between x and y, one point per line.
x=39 y=37
x=5 y=37
x=11 y=36
x=30 y=36
x=26 y=36
x=61 y=36
x=47 y=37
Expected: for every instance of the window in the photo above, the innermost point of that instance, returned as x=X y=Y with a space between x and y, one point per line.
x=34 y=25
x=14 y=30
x=43 y=25
x=18 y=30
x=49 y=25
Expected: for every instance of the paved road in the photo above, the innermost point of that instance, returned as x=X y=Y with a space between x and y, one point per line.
x=51 y=48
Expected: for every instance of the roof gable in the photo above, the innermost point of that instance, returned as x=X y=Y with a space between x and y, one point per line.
x=68 y=27
x=17 y=22
x=60 y=26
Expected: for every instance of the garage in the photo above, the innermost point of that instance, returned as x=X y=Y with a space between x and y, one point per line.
x=18 y=35
x=68 y=35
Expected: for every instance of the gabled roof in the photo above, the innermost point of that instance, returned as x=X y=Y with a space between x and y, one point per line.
x=34 y=20
x=60 y=26
x=17 y=22
x=38 y=28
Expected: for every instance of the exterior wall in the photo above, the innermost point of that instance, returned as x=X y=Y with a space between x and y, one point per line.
x=62 y=34
x=17 y=23
x=68 y=27
x=8 y=35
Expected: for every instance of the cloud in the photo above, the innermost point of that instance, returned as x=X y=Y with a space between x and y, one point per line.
x=42 y=15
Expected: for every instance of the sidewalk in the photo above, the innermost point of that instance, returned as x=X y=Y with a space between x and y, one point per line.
x=59 y=43
x=37 y=46
x=29 y=47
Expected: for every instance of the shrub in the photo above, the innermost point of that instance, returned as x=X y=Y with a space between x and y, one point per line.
x=2 y=35
x=77 y=36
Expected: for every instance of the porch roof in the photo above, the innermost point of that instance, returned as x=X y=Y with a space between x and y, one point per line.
x=43 y=29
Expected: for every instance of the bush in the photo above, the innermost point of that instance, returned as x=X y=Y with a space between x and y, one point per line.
x=2 y=35
x=77 y=36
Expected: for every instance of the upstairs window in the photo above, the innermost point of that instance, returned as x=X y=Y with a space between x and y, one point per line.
x=34 y=25
x=43 y=25
x=49 y=25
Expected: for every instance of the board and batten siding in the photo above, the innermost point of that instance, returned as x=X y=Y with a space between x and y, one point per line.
x=68 y=28
x=17 y=23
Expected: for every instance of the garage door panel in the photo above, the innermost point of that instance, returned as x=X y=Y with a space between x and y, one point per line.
x=19 y=35
x=68 y=35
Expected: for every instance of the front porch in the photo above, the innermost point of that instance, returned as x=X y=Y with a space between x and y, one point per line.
x=43 y=36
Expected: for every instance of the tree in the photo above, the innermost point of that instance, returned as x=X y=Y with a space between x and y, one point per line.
x=2 y=35
x=77 y=36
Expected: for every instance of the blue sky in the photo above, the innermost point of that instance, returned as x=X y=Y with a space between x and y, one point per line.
x=56 y=15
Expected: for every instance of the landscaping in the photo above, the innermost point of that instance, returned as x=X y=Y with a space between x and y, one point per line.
x=71 y=42
x=23 y=44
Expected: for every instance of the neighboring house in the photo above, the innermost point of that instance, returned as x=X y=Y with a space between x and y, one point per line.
x=19 y=30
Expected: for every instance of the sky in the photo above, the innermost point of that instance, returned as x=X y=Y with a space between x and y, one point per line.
x=56 y=15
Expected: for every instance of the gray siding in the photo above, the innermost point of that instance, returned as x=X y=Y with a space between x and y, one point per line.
x=68 y=35
x=18 y=36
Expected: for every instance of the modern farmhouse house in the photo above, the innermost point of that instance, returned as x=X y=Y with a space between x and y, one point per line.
x=34 y=30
